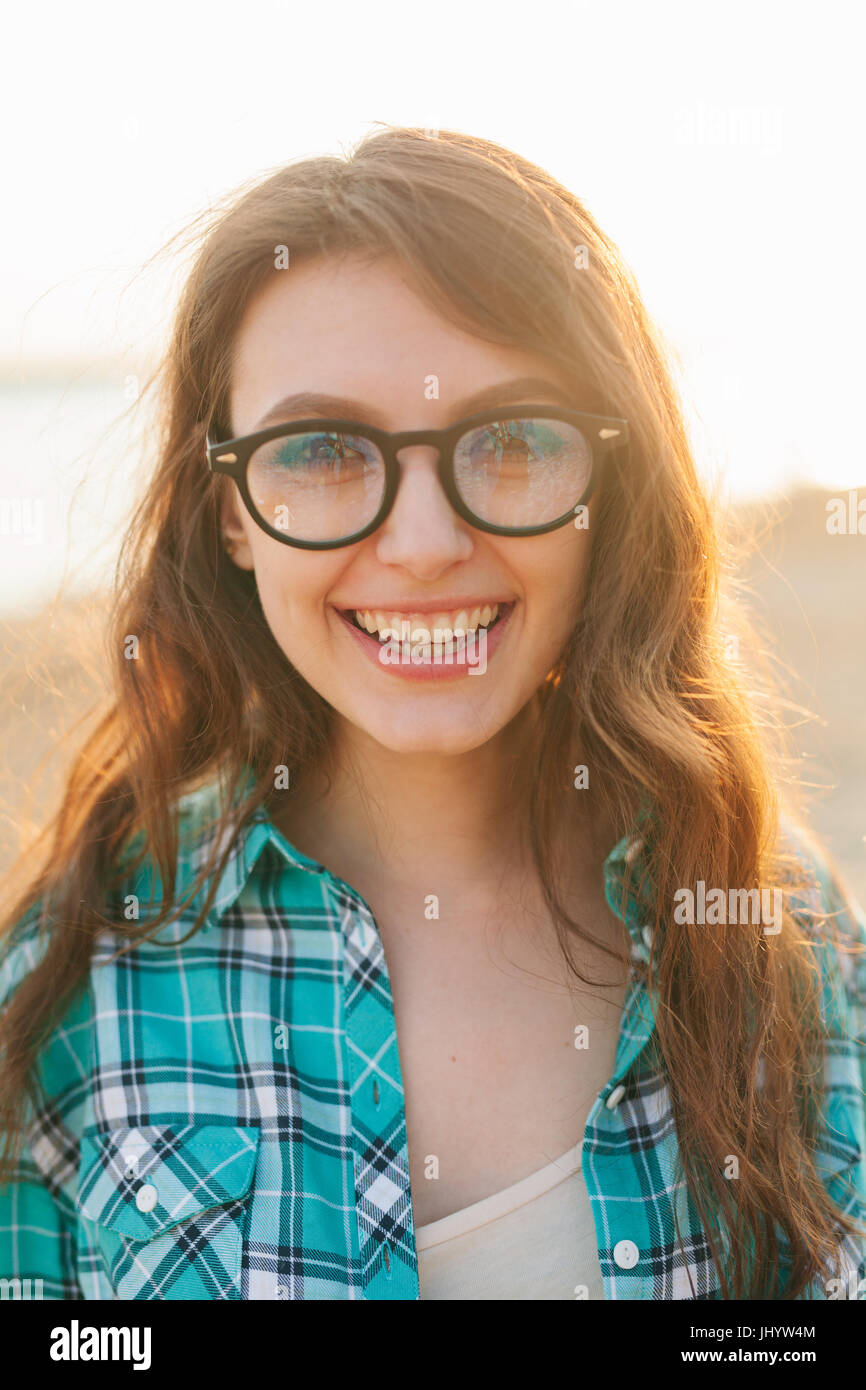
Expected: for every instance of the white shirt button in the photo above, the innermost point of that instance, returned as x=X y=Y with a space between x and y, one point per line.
x=615 y=1097
x=647 y=934
x=146 y=1197
x=625 y=1254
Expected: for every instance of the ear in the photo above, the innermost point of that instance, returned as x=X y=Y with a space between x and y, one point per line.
x=233 y=522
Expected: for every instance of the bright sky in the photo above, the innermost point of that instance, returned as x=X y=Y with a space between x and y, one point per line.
x=719 y=145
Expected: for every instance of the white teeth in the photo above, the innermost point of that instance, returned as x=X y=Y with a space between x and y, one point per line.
x=424 y=629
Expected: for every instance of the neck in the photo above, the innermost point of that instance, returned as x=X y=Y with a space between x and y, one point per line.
x=409 y=814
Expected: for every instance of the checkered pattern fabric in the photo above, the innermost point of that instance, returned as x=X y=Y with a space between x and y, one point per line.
x=224 y=1115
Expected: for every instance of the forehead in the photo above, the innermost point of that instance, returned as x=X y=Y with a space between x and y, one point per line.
x=357 y=328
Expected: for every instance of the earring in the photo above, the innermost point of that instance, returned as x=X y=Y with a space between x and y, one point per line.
x=228 y=544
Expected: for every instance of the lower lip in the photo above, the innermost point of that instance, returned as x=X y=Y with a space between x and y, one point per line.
x=427 y=670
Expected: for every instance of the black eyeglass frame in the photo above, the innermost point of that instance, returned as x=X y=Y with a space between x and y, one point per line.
x=604 y=434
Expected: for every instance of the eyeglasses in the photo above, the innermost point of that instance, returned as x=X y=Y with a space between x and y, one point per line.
x=321 y=484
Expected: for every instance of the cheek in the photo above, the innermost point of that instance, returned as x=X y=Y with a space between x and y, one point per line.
x=292 y=585
x=554 y=578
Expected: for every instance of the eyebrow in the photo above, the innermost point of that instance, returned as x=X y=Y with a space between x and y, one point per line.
x=304 y=403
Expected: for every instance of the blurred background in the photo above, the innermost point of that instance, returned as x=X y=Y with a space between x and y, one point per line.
x=718 y=146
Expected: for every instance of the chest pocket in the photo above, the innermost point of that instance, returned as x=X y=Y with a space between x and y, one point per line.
x=167 y=1207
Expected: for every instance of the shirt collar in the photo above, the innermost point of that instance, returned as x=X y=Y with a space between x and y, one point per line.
x=198 y=810
x=625 y=861
x=627 y=890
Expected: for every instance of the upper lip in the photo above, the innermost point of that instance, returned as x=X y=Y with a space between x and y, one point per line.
x=439 y=605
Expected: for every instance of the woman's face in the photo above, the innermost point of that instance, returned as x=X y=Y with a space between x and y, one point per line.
x=356 y=331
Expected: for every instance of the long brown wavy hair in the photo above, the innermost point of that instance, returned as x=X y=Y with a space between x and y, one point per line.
x=646 y=686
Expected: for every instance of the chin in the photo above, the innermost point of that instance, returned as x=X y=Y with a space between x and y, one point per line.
x=447 y=735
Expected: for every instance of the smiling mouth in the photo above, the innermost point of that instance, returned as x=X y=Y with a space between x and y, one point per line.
x=428 y=628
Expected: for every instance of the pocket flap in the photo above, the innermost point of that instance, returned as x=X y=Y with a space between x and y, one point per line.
x=140 y=1182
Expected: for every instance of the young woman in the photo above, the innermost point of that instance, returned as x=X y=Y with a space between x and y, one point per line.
x=419 y=921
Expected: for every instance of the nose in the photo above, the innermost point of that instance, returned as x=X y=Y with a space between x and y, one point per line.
x=422 y=531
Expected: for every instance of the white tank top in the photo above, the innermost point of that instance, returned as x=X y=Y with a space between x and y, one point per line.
x=533 y=1240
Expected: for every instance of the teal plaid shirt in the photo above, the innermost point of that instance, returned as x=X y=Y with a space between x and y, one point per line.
x=224 y=1116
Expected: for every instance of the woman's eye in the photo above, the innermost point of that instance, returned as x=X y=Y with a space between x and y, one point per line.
x=321 y=453
x=501 y=446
